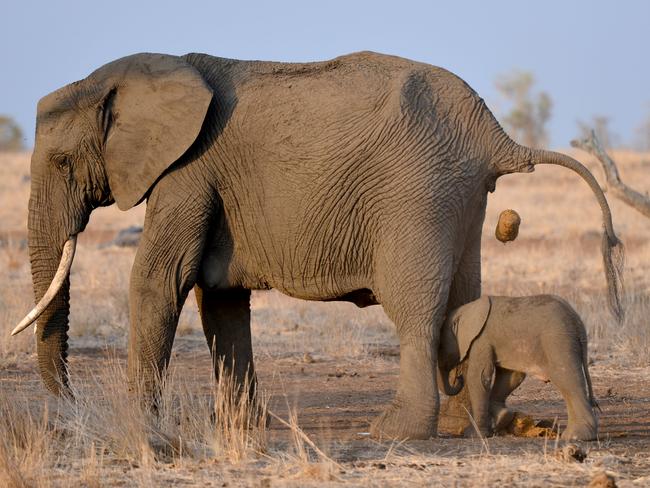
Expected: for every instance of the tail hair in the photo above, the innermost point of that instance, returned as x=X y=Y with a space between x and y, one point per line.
x=614 y=262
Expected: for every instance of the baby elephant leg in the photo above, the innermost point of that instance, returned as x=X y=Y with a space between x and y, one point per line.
x=480 y=370
x=582 y=424
x=505 y=382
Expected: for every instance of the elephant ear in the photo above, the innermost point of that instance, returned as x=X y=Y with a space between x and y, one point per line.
x=152 y=111
x=469 y=322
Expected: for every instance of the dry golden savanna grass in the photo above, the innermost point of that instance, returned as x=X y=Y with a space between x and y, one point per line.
x=325 y=368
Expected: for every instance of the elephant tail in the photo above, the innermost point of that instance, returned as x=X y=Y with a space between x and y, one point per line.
x=612 y=248
x=585 y=368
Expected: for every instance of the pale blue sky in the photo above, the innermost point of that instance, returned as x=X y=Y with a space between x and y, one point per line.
x=592 y=57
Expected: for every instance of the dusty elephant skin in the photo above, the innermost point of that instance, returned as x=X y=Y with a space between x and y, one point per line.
x=505 y=338
x=363 y=178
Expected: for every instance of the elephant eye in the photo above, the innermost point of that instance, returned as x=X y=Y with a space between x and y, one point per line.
x=62 y=163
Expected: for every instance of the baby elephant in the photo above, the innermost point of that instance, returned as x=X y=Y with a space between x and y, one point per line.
x=505 y=338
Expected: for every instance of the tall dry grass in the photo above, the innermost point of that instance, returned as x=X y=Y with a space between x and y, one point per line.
x=105 y=431
x=16 y=298
x=106 y=425
x=100 y=442
x=26 y=443
x=221 y=424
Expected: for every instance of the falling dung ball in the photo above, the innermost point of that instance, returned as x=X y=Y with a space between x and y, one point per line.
x=508 y=226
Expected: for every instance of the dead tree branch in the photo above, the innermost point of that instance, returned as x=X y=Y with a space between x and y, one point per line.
x=613 y=184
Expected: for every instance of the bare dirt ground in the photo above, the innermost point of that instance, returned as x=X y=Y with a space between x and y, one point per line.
x=326 y=368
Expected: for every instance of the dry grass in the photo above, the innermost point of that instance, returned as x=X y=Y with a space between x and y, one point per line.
x=16 y=298
x=287 y=326
x=303 y=459
x=26 y=443
x=105 y=432
x=105 y=438
x=221 y=424
x=105 y=428
x=240 y=430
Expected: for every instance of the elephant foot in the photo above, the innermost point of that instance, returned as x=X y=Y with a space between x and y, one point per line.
x=453 y=414
x=503 y=417
x=579 y=433
x=401 y=423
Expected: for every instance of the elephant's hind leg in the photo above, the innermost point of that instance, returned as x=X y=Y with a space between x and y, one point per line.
x=225 y=315
x=582 y=424
x=415 y=298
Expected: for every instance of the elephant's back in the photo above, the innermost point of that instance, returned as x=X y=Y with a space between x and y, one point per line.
x=351 y=105
x=355 y=71
x=370 y=62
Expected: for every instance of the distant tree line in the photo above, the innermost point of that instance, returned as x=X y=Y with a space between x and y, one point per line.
x=11 y=135
x=643 y=133
x=529 y=113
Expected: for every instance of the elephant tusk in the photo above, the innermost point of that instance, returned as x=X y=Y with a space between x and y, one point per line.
x=61 y=274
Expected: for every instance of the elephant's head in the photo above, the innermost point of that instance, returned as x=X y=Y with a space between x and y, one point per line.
x=104 y=139
x=462 y=326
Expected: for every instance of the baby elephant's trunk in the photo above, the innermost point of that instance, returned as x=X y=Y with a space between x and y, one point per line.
x=447 y=388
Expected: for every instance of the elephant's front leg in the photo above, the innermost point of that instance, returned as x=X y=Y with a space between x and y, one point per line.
x=505 y=382
x=480 y=370
x=226 y=317
x=165 y=269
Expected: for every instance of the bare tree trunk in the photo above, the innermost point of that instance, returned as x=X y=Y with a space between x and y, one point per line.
x=613 y=184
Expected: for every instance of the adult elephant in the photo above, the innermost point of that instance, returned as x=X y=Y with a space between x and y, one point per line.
x=363 y=178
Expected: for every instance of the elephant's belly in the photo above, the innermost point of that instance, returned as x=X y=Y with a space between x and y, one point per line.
x=530 y=369
x=524 y=358
x=222 y=271
x=524 y=355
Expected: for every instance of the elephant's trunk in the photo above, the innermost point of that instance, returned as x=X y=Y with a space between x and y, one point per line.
x=447 y=388
x=52 y=328
x=612 y=248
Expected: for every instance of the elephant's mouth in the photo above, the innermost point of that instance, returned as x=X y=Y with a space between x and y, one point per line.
x=59 y=278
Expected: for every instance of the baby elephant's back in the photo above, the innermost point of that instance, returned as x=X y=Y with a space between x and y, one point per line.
x=535 y=312
x=529 y=330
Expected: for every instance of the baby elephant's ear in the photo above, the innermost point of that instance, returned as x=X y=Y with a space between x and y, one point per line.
x=470 y=320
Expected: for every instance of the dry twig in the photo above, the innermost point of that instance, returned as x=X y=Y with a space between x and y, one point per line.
x=614 y=184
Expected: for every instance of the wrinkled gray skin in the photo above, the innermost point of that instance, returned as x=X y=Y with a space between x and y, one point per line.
x=363 y=178
x=504 y=339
